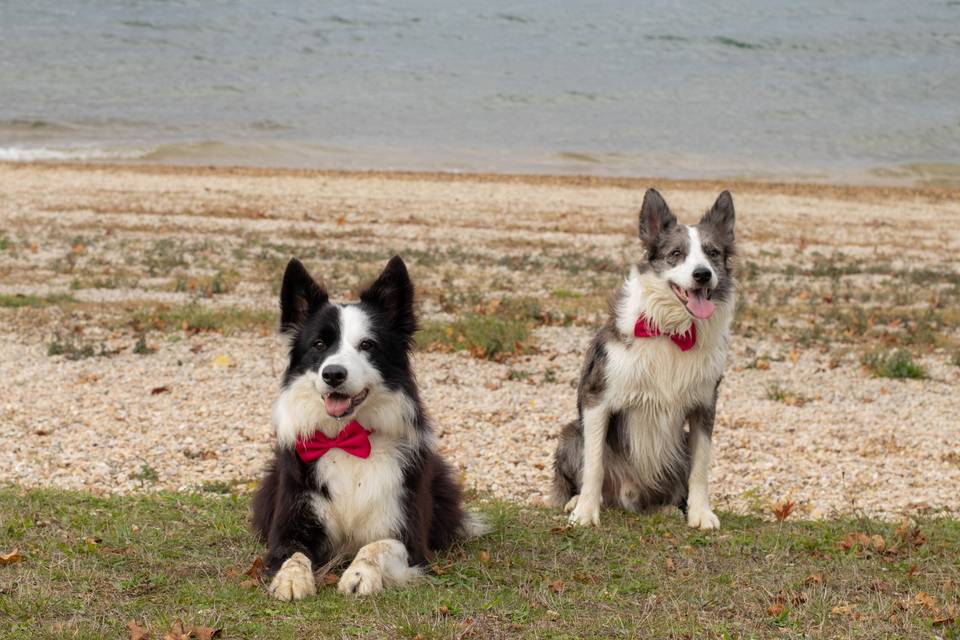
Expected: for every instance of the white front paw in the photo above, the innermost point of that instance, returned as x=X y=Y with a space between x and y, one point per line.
x=362 y=579
x=294 y=580
x=701 y=517
x=571 y=504
x=586 y=513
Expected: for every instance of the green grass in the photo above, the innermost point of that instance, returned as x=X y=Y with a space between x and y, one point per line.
x=896 y=364
x=196 y=318
x=485 y=336
x=93 y=563
x=15 y=300
x=778 y=393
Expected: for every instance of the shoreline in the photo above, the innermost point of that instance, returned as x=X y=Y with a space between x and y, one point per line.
x=832 y=190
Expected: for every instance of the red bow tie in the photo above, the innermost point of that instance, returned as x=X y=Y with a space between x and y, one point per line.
x=353 y=439
x=643 y=329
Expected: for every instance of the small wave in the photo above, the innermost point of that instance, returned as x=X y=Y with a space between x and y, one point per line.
x=27 y=154
x=733 y=42
x=32 y=124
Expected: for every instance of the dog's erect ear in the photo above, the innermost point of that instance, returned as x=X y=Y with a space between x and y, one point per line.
x=721 y=216
x=655 y=218
x=300 y=295
x=392 y=293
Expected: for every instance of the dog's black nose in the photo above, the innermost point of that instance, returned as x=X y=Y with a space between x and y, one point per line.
x=334 y=375
x=702 y=275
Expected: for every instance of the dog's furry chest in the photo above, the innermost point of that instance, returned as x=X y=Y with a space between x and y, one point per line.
x=361 y=499
x=653 y=386
x=653 y=376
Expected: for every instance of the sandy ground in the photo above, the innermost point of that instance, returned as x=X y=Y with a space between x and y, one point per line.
x=827 y=274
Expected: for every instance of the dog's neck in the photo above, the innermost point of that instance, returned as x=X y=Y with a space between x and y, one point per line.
x=649 y=295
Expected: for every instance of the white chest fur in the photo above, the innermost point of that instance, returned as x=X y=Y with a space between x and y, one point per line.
x=364 y=503
x=655 y=384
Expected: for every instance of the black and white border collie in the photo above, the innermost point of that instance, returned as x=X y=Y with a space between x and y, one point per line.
x=355 y=469
x=651 y=371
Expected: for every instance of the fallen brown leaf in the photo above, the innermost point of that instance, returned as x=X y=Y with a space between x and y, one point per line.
x=843 y=609
x=925 y=600
x=557 y=586
x=158 y=390
x=136 y=631
x=256 y=568
x=443 y=610
x=176 y=632
x=942 y=620
x=329 y=578
x=205 y=633
x=782 y=510
x=813 y=578
x=484 y=557
x=11 y=557
x=775 y=609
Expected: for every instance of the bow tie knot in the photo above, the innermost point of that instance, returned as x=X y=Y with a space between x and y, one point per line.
x=353 y=438
x=645 y=329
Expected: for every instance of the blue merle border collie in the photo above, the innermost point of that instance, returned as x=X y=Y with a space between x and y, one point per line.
x=355 y=468
x=648 y=389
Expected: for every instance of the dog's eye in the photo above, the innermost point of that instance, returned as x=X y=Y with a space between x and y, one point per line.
x=676 y=255
x=713 y=253
x=319 y=345
x=365 y=345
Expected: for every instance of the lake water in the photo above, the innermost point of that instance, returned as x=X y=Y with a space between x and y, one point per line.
x=820 y=90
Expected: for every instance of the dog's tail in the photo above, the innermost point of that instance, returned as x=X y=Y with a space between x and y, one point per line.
x=567 y=462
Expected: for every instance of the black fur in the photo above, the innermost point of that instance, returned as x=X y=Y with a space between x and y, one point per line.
x=431 y=499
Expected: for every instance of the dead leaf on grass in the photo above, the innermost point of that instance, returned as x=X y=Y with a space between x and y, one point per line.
x=328 y=579
x=176 y=632
x=136 y=631
x=925 y=600
x=256 y=568
x=11 y=557
x=844 y=609
x=775 y=609
x=813 y=578
x=557 y=586
x=205 y=633
x=782 y=510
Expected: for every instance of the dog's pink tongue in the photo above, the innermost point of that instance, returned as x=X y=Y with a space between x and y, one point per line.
x=699 y=306
x=337 y=405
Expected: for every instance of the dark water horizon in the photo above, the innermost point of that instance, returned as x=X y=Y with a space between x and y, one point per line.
x=822 y=91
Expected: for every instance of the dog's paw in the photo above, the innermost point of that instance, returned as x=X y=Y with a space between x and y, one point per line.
x=361 y=579
x=702 y=518
x=585 y=513
x=294 y=580
x=571 y=504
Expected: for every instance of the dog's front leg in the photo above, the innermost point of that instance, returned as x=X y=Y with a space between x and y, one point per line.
x=377 y=565
x=699 y=514
x=587 y=509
